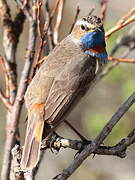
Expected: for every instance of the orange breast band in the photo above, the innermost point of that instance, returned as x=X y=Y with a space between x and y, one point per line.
x=97 y=49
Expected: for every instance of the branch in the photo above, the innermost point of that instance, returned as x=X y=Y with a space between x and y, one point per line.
x=124 y=60
x=124 y=21
x=43 y=34
x=104 y=4
x=9 y=47
x=56 y=142
x=51 y=44
x=5 y=101
x=15 y=114
x=75 y=19
x=11 y=34
x=16 y=155
x=58 y=21
x=5 y=71
x=114 y=65
x=19 y=174
x=90 y=148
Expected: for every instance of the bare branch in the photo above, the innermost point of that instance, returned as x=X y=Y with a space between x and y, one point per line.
x=58 y=21
x=90 y=148
x=16 y=155
x=5 y=71
x=128 y=15
x=9 y=45
x=43 y=36
x=104 y=5
x=51 y=44
x=123 y=60
x=114 y=65
x=124 y=21
x=5 y=101
x=39 y=5
x=75 y=19
x=56 y=142
x=15 y=114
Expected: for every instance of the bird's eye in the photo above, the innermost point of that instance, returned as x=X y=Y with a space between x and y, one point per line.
x=83 y=27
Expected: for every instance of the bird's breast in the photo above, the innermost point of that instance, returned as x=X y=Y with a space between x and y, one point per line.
x=97 y=49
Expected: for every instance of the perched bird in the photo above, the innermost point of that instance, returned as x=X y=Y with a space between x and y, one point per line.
x=63 y=78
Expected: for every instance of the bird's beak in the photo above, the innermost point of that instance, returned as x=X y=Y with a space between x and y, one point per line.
x=95 y=29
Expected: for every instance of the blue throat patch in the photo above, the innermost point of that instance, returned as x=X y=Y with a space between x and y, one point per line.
x=93 y=39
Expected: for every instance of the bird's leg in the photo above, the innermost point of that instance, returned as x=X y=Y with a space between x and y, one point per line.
x=76 y=131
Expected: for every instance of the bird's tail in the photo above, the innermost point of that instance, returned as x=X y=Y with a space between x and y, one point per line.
x=33 y=138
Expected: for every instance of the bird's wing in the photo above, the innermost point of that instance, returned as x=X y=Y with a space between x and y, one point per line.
x=70 y=84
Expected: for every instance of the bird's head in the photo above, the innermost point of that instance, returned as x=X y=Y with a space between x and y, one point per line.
x=86 y=25
x=89 y=33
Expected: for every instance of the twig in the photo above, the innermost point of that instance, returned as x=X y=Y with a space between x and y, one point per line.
x=38 y=5
x=58 y=22
x=108 y=70
x=43 y=36
x=54 y=8
x=5 y=71
x=104 y=4
x=51 y=44
x=124 y=60
x=75 y=18
x=9 y=44
x=129 y=14
x=90 y=148
x=16 y=155
x=18 y=173
x=119 y=26
x=114 y=65
x=77 y=132
x=5 y=101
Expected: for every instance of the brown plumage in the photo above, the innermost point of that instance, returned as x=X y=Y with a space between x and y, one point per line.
x=61 y=81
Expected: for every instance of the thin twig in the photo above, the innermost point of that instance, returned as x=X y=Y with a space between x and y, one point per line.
x=38 y=5
x=58 y=22
x=51 y=44
x=9 y=44
x=43 y=36
x=125 y=17
x=124 y=60
x=104 y=5
x=90 y=148
x=114 y=65
x=5 y=101
x=75 y=18
x=77 y=132
x=5 y=71
x=119 y=26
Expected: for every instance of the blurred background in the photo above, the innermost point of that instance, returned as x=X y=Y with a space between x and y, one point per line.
x=96 y=108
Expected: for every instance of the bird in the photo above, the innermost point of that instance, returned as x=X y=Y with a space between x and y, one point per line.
x=61 y=81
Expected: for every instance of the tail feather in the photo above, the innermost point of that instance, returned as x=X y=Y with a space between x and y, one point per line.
x=33 y=138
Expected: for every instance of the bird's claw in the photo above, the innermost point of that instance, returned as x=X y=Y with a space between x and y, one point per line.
x=54 y=139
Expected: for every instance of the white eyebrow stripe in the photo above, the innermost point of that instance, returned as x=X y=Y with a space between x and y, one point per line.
x=81 y=22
